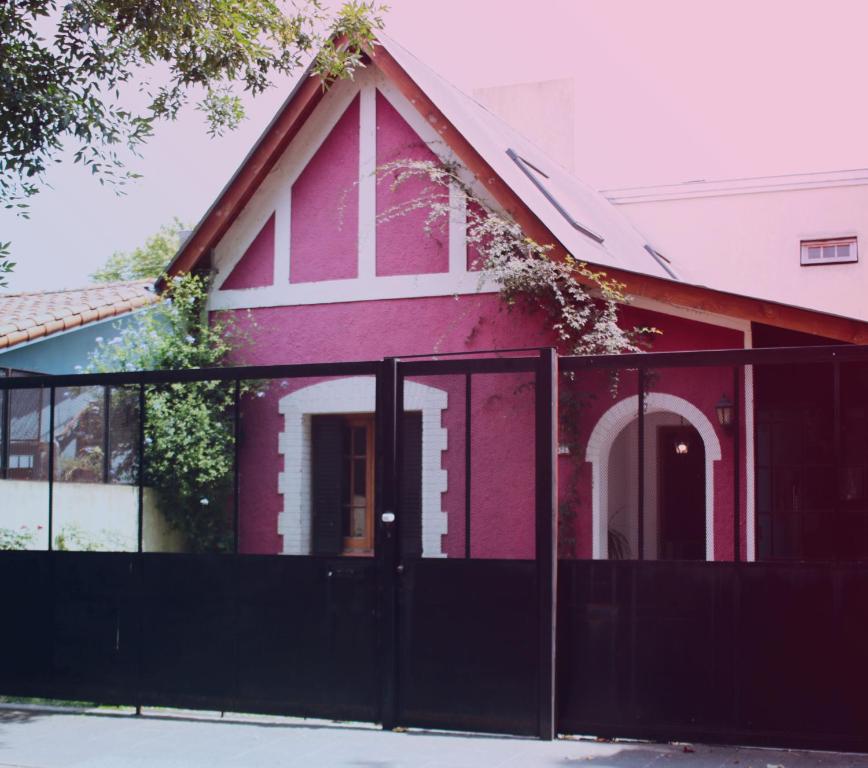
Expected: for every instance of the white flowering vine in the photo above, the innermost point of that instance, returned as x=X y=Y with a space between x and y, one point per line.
x=581 y=303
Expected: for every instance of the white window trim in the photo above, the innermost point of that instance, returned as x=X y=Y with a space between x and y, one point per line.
x=851 y=258
x=356 y=395
x=599 y=449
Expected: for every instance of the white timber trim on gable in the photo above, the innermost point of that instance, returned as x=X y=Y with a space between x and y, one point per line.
x=599 y=448
x=275 y=196
x=356 y=395
x=367 y=266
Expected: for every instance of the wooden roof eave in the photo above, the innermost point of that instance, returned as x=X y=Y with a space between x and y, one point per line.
x=250 y=174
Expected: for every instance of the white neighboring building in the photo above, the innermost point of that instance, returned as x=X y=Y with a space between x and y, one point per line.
x=795 y=239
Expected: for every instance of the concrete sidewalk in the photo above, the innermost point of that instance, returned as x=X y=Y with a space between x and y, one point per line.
x=37 y=738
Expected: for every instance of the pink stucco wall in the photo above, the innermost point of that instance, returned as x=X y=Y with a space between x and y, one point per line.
x=701 y=387
x=256 y=267
x=502 y=413
x=324 y=246
x=402 y=247
x=502 y=410
x=325 y=207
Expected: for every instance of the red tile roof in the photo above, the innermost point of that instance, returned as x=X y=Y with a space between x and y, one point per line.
x=28 y=316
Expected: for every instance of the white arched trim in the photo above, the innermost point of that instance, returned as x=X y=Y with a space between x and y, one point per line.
x=600 y=445
x=356 y=395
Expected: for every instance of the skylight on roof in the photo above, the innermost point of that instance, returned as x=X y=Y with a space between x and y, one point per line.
x=536 y=176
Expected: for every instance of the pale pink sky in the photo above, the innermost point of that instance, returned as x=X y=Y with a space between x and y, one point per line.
x=669 y=90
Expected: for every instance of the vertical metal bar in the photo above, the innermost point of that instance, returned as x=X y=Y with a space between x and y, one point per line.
x=737 y=370
x=138 y=572
x=106 y=434
x=468 y=433
x=640 y=482
x=140 y=480
x=836 y=447
x=138 y=569
x=236 y=489
x=51 y=400
x=4 y=448
x=385 y=538
x=546 y=537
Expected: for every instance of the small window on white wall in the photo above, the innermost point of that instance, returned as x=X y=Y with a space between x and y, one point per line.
x=839 y=250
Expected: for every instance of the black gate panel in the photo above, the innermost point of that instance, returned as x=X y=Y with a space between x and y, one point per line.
x=188 y=647
x=95 y=632
x=787 y=662
x=468 y=656
x=26 y=636
x=307 y=636
x=271 y=634
x=766 y=654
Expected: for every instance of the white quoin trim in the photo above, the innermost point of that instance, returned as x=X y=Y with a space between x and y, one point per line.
x=356 y=395
x=610 y=425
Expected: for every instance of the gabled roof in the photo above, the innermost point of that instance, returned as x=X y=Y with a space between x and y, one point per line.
x=579 y=217
x=28 y=316
x=551 y=205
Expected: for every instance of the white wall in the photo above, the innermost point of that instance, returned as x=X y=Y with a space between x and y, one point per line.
x=746 y=239
x=623 y=511
x=95 y=515
x=543 y=111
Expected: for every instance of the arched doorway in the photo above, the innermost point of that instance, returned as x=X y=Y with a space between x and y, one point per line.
x=680 y=449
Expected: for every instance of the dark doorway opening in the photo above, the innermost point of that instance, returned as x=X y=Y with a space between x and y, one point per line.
x=681 y=493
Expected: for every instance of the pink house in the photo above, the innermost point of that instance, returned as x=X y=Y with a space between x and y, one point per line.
x=300 y=258
x=400 y=475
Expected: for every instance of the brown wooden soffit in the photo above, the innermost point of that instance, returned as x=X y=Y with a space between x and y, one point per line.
x=288 y=122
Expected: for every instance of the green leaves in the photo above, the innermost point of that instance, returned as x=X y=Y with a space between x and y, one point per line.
x=149 y=260
x=189 y=427
x=95 y=76
x=581 y=304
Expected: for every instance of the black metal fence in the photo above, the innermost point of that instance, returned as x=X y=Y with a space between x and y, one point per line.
x=763 y=645
x=658 y=644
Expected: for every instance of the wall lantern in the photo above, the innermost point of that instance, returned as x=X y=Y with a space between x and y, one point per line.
x=725 y=411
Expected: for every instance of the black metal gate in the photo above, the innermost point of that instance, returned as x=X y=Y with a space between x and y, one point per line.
x=732 y=651
x=395 y=638
x=475 y=632
x=245 y=633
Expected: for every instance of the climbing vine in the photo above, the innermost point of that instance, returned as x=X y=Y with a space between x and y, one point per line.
x=580 y=304
x=189 y=435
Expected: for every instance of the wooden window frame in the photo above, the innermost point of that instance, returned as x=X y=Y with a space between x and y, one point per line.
x=361 y=546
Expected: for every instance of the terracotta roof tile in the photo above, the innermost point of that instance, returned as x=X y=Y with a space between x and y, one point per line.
x=27 y=316
x=16 y=338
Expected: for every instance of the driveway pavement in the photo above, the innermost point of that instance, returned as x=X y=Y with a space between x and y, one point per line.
x=38 y=738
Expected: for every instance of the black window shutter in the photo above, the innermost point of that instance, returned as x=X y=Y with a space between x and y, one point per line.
x=411 y=486
x=326 y=458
